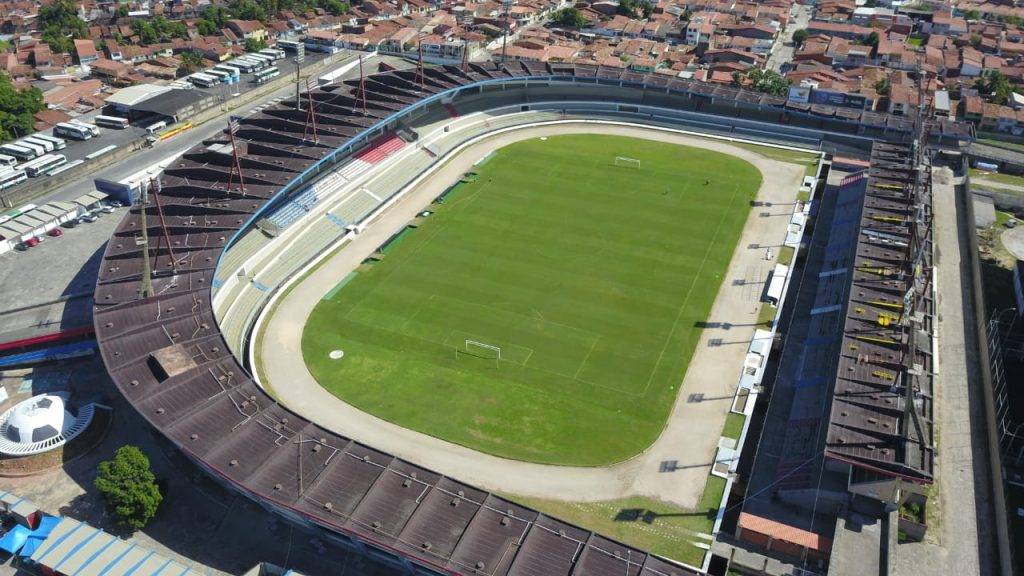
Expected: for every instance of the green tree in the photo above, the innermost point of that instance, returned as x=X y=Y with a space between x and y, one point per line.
x=334 y=7
x=254 y=45
x=129 y=487
x=206 y=27
x=17 y=108
x=219 y=15
x=872 y=39
x=975 y=40
x=768 y=81
x=800 y=36
x=145 y=30
x=60 y=24
x=998 y=87
x=636 y=8
x=972 y=15
x=569 y=18
x=191 y=61
x=883 y=87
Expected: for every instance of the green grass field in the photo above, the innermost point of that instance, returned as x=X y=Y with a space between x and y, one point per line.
x=591 y=278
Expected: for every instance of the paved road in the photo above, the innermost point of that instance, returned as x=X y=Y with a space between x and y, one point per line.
x=782 y=51
x=966 y=539
x=692 y=431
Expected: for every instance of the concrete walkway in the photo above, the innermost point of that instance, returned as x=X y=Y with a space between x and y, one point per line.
x=692 y=431
x=964 y=543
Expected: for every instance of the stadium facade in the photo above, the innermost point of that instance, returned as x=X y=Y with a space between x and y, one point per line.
x=165 y=351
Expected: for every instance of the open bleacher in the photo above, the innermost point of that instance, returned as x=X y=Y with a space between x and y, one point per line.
x=381 y=148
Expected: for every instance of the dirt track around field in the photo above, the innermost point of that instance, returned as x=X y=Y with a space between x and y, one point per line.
x=691 y=434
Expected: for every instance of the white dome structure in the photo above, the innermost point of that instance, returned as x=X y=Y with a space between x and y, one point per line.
x=39 y=424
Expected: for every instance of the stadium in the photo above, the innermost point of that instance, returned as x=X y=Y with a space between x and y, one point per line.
x=408 y=308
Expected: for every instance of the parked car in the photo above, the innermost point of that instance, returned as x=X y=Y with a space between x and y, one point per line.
x=116 y=204
x=34 y=241
x=87 y=218
x=55 y=232
x=108 y=209
x=71 y=223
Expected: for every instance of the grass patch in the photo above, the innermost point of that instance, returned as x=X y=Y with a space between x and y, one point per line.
x=803 y=195
x=591 y=278
x=1009 y=179
x=807 y=159
x=646 y=523
x=766 y=314
x=915 y=41
x=733 y=425
x=786 y=255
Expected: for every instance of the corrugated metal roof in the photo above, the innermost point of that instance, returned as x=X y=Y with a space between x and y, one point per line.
x=785 y=532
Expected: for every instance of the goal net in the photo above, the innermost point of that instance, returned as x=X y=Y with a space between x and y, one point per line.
x=479 y=349
x=625 y=162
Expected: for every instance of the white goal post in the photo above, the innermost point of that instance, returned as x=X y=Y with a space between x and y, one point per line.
x=625 y=162
x=468 y=345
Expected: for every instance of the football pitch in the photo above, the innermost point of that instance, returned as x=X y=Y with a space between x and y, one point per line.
x=588 y=279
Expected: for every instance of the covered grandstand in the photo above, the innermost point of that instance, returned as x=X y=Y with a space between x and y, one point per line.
x=163 y=345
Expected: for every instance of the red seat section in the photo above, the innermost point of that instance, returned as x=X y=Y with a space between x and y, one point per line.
x=381 y=148
x=452 y=111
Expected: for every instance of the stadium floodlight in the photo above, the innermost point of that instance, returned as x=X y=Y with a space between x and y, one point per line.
x=470 y=344
x=627 y=162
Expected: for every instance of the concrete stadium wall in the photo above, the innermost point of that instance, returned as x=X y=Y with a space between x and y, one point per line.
x=965 y=213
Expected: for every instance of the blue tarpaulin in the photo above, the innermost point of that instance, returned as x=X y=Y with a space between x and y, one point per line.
x=38 y=536
x=14 y=539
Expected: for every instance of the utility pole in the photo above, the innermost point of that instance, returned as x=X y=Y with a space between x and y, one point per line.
x=504 y=25
x=146 y=289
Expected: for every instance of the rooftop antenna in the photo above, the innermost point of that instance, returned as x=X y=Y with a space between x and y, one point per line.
x=310 y=113
x=236 y=164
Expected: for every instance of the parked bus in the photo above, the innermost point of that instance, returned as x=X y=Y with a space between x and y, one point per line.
x=289 y=45
x=37 y=149
x=43 y=164
x=232 y=71
x=58 y=143
x=46 y=145
x=12 y=178
x=8 y=161
x=20 y=152
x=220 y=75
x=203 y=80
x=155 y=126
x=244 y=66
x=260 y=58
x=254 y=64
x=75 y=131
x=273 y=54
x=90 y=127
x=111 y=122
x=264 y=76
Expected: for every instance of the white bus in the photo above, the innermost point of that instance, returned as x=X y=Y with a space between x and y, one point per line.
x=46 y=145
x=58 y=143
x=203 y=80
x=69 y=130
x=43 y=164
x=20 y=152
x=159 y=125
x=243 y=65
x=111 y=122
x=37 y=149
x=265 y=75
x=8 y=161
x=273 y=54
x=12 y=178
x=260 y=58
x=231 y=71
x=90 y=127
x=289 y=45
x=253 y=63
x=218 y=74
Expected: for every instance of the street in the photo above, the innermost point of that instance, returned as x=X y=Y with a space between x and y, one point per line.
x=782 y=51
